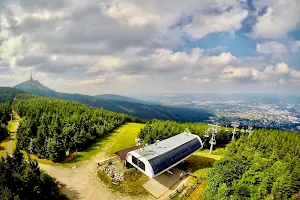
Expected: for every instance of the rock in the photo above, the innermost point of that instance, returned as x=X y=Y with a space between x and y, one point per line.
x=113 y=172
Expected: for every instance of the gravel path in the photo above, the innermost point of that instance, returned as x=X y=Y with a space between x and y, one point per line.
x=11 y=138
x=83 y=182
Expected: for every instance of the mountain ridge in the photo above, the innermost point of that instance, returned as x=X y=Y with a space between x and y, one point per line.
x=118 y=103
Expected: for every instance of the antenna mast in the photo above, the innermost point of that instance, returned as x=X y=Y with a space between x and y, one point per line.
x=31 y=79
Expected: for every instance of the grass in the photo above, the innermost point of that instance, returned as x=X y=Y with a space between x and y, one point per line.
x=121 y=138
x=3 y=146
x=16 y=115
x=200 y=163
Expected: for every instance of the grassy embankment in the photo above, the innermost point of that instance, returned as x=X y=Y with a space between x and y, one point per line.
x=199 y=163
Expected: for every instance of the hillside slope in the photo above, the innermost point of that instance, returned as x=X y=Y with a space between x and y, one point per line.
x=121 y=98
x=117 y=103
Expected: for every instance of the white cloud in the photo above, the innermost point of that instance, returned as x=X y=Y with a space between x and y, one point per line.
x=115 y=43
x=202 y=80
x=239 y=74
x=280 y=73
x=204 y=24
x=282 y=68
x=271 y=48
x=280 y=18
x=196 y=80
x=130 y=14
x=95 y=81
x=224 y=58
x=130 y=78
x=295 y=46
x=107 y=63
x=185 y=78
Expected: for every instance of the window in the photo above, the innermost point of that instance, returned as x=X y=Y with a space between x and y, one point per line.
x=138 y=163
x=134 y=160
x=141 y=165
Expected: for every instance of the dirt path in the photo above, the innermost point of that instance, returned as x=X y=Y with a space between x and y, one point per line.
x=83 y=182
x=11 y=138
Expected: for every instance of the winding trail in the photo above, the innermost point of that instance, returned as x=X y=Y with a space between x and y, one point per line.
x=11 y=138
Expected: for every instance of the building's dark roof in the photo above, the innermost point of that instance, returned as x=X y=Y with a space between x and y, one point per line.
x=167 y=159
x=123 y=153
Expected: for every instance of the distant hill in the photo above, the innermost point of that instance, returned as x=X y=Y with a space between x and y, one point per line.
x=35 y=87
x=121 y=98
x=120 y=104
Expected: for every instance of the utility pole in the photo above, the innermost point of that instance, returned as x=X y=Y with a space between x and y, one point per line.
x=250 y=130
x=235 y=125
x=214 y=128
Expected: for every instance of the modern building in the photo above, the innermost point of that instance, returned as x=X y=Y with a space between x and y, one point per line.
x=159 y=157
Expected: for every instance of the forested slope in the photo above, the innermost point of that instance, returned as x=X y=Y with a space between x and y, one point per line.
x=5 y=110
x=159 y=130
x=121 y=104
x=51 y=127
x=263 y=166
x=21 y=180
x=7 y=96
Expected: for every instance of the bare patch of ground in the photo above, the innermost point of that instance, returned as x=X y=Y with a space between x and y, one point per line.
x=82 y=182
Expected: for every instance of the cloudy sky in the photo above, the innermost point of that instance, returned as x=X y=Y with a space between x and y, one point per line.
x=153 y=46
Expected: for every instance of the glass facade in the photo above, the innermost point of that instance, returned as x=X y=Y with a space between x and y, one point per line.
x=168 y=159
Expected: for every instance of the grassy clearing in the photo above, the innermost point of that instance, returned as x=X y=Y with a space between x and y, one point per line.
x=3 y=145
x=199 y=163
x=16 y=115
x=121 y=138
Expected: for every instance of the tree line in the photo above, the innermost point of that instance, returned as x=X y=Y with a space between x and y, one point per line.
x=5 y=110
x=7 y=96
x=50 y=127
x=159 y=130
x=21 y=180
x=263 y=166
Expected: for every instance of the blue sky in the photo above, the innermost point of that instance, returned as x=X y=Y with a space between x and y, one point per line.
x=134 y=46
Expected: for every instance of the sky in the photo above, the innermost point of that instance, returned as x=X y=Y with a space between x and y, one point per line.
x=158 y=46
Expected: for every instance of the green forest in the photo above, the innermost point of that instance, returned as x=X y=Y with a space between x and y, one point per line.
x=7 y=96
x=51 y=127
x=263 y=166
x=159 y=130
x=5 y=110
x=21 y=180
